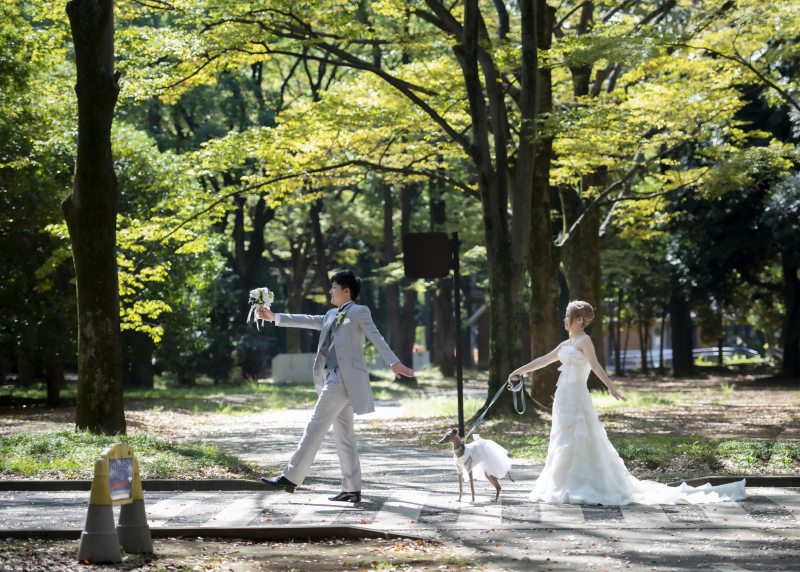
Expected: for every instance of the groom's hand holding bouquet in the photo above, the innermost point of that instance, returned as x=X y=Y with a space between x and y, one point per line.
x=266 y=315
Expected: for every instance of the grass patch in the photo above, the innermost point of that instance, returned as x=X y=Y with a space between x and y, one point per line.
x=439 y=406
x=71 y=455
x=689 y=456
x=602 y=399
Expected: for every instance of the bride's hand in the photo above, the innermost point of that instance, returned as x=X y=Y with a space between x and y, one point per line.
x=617 y=395
x=513 y=377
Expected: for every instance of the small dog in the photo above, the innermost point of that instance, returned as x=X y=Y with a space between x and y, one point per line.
x=480 y=454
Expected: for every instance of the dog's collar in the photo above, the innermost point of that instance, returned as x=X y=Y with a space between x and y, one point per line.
x=461 y=448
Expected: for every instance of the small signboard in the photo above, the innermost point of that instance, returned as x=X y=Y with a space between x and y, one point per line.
x=426 y=255
x=120 y=479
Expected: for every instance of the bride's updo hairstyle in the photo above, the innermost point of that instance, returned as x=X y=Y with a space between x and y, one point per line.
x=579 y=309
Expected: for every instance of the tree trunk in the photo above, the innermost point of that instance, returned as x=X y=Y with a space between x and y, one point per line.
x=409 y=325
x=54 y=376
x=619 y=370
x=443 y=328
x=680 y=313
x=543 y=256
x=246 y=262
x=508 y=253
x=137 y=360
x=627 y=338
x=294 y=305
x=319 y=247
x=790 y=332
x=581 y=259
x=643 y=341
x=392 y=289
x=441 y=299
x=91 y=214
x=661 y=368
x=581 y=254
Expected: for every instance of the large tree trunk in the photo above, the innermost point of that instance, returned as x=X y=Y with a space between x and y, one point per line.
x=507 y=254
x=137 y=360
x=392 y=289
x=54 y=375
x=790 y=332
x=581 y=256
x=643 y=340
x=661 y=341
x=441 y=299
x=618 y=369
x=246 y=261
x=680 y=314
x=91 y=214
x=543 y=256
x=319 y=248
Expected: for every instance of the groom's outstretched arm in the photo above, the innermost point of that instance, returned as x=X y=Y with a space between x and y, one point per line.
x=299 y=321
x=292 y=320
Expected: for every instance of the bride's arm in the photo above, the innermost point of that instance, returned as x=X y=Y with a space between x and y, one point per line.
x=538 y=363
x=587 y=347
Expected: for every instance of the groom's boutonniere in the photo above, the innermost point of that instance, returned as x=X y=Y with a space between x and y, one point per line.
x=340 y=317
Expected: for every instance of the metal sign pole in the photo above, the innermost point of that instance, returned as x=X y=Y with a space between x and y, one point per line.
x=454 y=243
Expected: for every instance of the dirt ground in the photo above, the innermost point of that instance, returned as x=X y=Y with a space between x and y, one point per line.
x=758 y=408
x=755 y=407
x=184 y=555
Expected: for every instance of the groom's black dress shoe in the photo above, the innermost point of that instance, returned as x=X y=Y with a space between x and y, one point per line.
x=280 y=483
x=347 y=497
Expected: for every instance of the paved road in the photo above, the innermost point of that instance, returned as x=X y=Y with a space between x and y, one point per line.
x=420 y=510
x=758 y=534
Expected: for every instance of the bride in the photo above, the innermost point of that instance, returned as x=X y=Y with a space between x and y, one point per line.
x=582 y=466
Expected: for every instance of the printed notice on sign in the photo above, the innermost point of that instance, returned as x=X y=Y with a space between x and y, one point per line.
x=120 y=476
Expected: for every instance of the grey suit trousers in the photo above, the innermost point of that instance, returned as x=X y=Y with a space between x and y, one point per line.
x=333 y=408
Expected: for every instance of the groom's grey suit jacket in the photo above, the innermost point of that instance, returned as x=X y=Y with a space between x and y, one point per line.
x=349 y=341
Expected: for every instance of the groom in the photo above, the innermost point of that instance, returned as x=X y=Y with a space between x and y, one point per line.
x=342 y=381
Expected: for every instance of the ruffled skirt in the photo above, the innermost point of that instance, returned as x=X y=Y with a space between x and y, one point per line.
x=494 y=460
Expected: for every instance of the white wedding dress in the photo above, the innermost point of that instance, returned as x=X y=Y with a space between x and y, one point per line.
x=582 y=465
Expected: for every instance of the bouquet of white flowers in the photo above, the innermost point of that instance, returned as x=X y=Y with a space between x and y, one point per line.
x=259 y=298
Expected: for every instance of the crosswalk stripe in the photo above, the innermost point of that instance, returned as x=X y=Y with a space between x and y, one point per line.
x=727 y=514
x=401 y=510
x=729 y=568
x=560 y=515
x=159 y=513
x=318 y=510
x=643 y=516
x=481 y=514
x=242 y=511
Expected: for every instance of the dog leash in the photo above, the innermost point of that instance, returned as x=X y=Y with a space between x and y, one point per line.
x=519 y=388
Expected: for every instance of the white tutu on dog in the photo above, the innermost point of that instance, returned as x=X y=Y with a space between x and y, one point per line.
x=482 y=457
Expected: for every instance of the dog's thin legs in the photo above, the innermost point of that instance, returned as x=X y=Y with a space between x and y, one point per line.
x=472 y=486
x=496 y=483
x=460 y=486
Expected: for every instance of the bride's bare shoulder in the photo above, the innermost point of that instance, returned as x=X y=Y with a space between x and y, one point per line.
x=584 y=343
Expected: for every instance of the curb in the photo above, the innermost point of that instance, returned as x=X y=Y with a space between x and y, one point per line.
x=752 y=481
x=249 y=533
x=168 y=485
x=152 y=485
